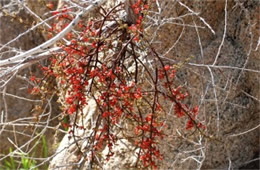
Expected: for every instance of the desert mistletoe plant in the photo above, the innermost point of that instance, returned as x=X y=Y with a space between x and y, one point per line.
x=110 y=60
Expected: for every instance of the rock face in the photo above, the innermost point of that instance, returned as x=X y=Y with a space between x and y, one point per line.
x=228 y=96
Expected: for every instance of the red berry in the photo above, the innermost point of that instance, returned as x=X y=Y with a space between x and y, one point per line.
x=167 y=67
x=50 y=5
